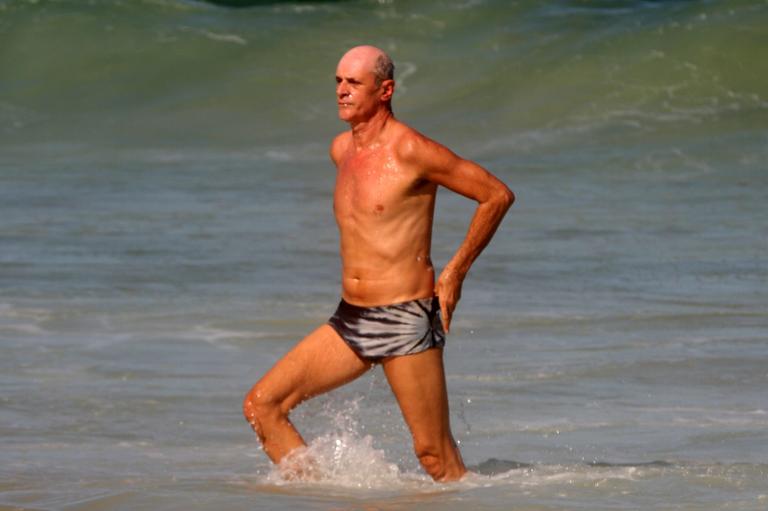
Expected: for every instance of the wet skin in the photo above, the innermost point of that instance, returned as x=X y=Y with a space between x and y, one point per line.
x=386 y=182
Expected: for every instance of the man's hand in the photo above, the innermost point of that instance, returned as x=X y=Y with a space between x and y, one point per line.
x=448 y=290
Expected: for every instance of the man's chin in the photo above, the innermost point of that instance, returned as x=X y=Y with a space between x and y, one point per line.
x=346 y=116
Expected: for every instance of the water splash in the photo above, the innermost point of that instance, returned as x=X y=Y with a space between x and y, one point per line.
x=341 y=457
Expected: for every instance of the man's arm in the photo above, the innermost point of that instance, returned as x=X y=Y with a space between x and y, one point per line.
x=438 y=164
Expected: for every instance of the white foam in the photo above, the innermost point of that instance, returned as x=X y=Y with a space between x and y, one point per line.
x=25 y=320
x=342 y=458
x=225 y=38
x=406 y=70
x=216 y=36
x=219 y=337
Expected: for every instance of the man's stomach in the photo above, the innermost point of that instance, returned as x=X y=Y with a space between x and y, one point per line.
x=370 y=286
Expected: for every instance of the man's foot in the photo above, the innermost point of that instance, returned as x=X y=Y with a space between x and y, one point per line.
x=300 y=466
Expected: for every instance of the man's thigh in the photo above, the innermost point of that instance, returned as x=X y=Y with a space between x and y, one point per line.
x=319 y=363
x=418 y=382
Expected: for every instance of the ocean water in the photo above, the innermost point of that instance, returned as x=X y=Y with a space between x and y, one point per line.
x=166 y=234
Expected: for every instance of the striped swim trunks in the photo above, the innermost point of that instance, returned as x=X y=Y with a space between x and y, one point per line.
x=390 y=330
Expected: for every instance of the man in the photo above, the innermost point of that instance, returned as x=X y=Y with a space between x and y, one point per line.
x=392 y=312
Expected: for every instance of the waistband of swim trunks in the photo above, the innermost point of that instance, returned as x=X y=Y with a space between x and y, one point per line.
x=423 y=301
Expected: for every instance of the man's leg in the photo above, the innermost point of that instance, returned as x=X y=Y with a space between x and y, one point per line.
x=320 y=362
x=418 y=382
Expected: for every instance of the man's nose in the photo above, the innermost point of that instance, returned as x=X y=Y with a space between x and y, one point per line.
x=341 y=90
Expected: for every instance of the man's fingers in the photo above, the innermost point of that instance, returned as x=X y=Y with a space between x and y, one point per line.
x=446 y=316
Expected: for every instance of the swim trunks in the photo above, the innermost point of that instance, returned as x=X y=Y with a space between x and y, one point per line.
x=390 y=330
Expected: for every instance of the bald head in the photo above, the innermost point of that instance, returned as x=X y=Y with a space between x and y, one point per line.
x=364 y=84
x=373 y=59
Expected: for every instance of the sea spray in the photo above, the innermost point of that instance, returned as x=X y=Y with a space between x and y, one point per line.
x=341 y=457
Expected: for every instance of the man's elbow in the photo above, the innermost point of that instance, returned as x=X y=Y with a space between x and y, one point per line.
x=505 y=197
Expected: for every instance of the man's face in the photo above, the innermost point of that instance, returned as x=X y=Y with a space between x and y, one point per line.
x=357 y=95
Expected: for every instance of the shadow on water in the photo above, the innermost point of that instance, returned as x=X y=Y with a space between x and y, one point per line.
x=493 y=466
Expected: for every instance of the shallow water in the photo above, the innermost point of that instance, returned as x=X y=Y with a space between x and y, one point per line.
x=166 y=234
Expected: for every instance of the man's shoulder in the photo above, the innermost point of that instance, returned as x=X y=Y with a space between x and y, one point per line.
x=410 y=144
x=342 y=139
x=339 y=145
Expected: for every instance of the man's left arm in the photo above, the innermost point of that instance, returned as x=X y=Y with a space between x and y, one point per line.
x=440 y=165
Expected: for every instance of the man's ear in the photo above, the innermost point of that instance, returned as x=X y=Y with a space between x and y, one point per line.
x=387 y=89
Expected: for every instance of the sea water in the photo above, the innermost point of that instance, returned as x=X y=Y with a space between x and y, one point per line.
x=166 y=234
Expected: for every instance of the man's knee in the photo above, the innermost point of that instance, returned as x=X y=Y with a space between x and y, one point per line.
x=259 y=407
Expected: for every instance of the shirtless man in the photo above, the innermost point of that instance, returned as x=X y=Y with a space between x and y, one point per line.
x=392 y=312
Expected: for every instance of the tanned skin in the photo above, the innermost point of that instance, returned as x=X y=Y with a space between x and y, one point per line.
x=384 y=199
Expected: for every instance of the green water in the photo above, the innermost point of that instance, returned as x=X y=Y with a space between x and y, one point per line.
x=166 y=73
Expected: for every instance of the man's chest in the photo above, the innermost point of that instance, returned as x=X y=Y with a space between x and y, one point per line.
x=371 y=184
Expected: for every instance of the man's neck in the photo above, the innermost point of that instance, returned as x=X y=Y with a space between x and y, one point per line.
x=367 y=134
